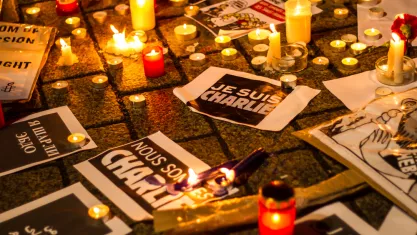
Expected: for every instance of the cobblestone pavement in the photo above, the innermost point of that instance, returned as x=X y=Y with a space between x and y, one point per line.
x=110 y=120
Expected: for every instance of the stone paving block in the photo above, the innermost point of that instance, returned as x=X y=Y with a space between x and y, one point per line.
x=166 y=113
x=321 y=118
x=239 y=64
x=326 y=21
x=89 y=62
x=242 y=140
x=206 y=149
x=90 y=106
x=28 y=185
x=297 y=169
x=144 y=228
x=204 y=37
x=33 y=104
x=96 y=5
x=374 y=206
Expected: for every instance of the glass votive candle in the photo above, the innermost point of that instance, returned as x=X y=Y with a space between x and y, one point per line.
x=153 y=61
x=276 y=209
x=358 y=48
x=391 y=78
x=223 y=41
x=350 y=63
x=293 y=58
x=340 y=13
x=338 y=46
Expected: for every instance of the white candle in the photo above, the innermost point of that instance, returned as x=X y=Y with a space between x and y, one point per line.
x=372 y=34
x=60 y=87
x=382 y=91
x=115 y=63
x=320 y=63
x=229 y=54
x=143 y=14
x=185 y=32
x=121 y=9
x=261 y=49
x=33 y=12
x=99 y=212
x=376 y=12
x=358 y=48
x=274 y=51
x=258 y=36
x=259 y=62
x=198 y=59
x=79 y=33
x=137 y=101
x=288 y=81
x=338 y=46
x=100 y=82
x=395 y=58
x=350 y=63
x=341 y=13
x=100 y=16
x=77 y=139
x=73 y=22
x=67 y=58
x=191 y=10
x=66 y=40
x=223 y=41
x=349 y=39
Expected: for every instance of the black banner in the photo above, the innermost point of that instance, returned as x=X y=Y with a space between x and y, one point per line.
x=329 y=225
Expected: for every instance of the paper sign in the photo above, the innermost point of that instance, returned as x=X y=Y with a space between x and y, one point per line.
x=62 y=212
x=39 y=138
x=244 y=98
x=120 y=173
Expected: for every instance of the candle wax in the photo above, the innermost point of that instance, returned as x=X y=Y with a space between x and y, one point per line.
x=298 y=20
x=143 y=14
x=153 y=61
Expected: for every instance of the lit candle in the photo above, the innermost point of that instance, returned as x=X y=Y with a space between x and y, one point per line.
x=121 y=9
x=258 y=36
x=115 y=63
x=100 y=82
x=66 y=40
x=73 y=22
x=153 y=61
x=178 y=3
x=136 y=44
x=349 y=39
x=341 y=13
x=143 y=14
x=100 y=16
x=288 y=81
x=198 y=59
x=99 y=212
x=77 y=140
x=368 y=2
x=191 y=10
x=185 y=32
x=66 y=7
x=223 y=41
x=60 y=87
x=298 y=20
x=358 y=48
x=137 y=101
x=376 y=12
x=320 y=63
x=139 y=33
x=276 y=213
x=372 y=34
x=79 y=33
x=229 y=54
x=259 y=62
x=350 y=63
x=395 y=59
x=67 y=57
x=382 y=91
x=274 y=51
x=338 y=46
x=32 y=12
x=261 y=49
x=118 y=44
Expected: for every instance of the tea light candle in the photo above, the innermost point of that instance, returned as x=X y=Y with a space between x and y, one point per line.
x=33 y=12
x=229 y=54
x=137 y=101
x=223 y=41
x=140 y=34
x=350 y=63
x=358 y=48
x=320 y=63
x=66 y=40
x=382 y=91
x=185 y=32
x=100 y=16
x=60 y=87
x=178 y=3
x=153 y=61
x=77 y=139
x=376 y=12
x=79 y=33
x=338 y=46
x=258 y=62
x=259 y=36
x=198 y=59
x=192 y=10
x=121 y=9
x=115 y=63
x=99 y=212
x=73 y=22
x=341 y=13
x=372 y=34
x=100 y=82
x=288 y=81
x=261 y=49
x=368 y=2
x=349 y=39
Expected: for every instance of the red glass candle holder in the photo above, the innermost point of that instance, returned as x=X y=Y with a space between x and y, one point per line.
x=276 y=209
x=66 y=7
x=153 y=61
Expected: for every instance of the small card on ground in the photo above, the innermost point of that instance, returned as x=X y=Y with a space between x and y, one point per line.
x=61 y=212
x=120 y=173
x=39 y=138
x=244 y=98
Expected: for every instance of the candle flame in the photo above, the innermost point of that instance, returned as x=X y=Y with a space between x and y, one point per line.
x=373 y=30
x=348 y=60
x=230 y=174
x=192 y=177
x=337 y=43
x=258 y=32
x=114 y=29
x=58 y=84
x=100 y=80
x=70 y=20
x=272 y=27
x=395 y=37
x=63 y=43
x=320 y=60
x=136 y=97
x=401 y=16
x=152 y=53
x=276 y=218
x=78 y=31
x=185 y=26
x=340 y=11
x=191 y=7
x=96 y=210
x=75 y=138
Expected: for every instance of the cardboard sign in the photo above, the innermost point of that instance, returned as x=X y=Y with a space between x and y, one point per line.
x=62 y=212
x=244 y=98
x=120 y=173
x=39 y=138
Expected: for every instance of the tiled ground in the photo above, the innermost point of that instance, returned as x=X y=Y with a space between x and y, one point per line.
x=110 y=120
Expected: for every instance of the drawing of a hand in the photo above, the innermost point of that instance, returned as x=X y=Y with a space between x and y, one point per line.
x=377 y=141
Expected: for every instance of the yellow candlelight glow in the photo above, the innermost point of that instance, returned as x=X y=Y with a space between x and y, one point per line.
x=185 y=26
x=152 y=53
x=136 y=97
x=78 y=31
x=99 y=211
x=63 y=43
x=258 y=32
x=272 y=27
x=192 y=177
x=276 y=218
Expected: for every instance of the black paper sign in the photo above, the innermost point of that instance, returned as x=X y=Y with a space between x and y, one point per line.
x=67 y=215
x=329 y=225
x=239 y=99
x=33 y=140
